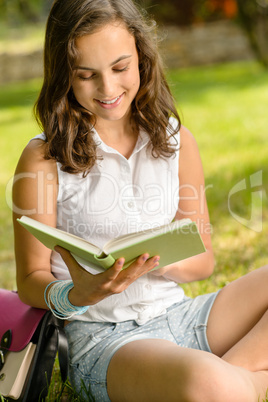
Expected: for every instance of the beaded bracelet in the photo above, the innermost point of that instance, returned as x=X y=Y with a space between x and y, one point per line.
x=58 y=297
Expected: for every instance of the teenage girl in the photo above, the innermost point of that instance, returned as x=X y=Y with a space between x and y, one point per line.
x=113 y=158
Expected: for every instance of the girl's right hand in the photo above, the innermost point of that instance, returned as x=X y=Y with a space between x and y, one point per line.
x=90 y=289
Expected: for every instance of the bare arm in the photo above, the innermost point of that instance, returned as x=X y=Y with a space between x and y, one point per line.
x=35 y=194
x=192 y=205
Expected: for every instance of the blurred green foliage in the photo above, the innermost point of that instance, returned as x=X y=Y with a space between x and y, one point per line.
x=17 y=11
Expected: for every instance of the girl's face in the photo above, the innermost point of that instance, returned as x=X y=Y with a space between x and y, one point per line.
x=107 y=75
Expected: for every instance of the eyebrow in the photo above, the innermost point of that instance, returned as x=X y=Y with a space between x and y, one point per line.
x=125 y=56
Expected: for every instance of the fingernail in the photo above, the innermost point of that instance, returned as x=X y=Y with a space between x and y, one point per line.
x=156 y=259
x=121 y=261
x=145 y=257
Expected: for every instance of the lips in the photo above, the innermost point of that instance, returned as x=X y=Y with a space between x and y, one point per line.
x=111 y=103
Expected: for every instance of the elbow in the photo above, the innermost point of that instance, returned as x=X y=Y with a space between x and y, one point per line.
x=24 y=293
x=23 y=296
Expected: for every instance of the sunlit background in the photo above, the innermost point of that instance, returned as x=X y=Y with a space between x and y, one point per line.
x=216 y=57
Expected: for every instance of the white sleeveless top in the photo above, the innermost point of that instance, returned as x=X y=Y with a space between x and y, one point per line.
x=121 y=196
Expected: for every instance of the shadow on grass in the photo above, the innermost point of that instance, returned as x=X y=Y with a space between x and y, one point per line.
x=216 y=76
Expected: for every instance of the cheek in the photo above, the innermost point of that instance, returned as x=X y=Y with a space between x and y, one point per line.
x=81 y=93
x=135 y=81
x=76 y=90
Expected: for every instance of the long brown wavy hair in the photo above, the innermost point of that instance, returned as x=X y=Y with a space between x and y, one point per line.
x=66 y=123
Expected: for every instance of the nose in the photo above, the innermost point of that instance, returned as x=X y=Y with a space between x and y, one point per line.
x=106 y=85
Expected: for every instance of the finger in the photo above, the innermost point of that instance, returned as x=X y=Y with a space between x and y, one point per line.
x=69 y=260
x=154 y=262
x=141 y=266
x=147 y=263
x=143 y=258
x=65 y=254
x=114 y=271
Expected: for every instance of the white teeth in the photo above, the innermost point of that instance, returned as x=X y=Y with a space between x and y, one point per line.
x=110 y=102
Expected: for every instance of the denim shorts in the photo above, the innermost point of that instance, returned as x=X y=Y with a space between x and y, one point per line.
x=92 y=344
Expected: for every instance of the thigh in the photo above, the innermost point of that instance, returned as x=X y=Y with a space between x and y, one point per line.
x=236 y=310
x=155 y=370
x=138 y=371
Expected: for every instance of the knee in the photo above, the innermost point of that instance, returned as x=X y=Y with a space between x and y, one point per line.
x=209 y=381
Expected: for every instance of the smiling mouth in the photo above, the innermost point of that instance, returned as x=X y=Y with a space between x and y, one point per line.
x=110 y=102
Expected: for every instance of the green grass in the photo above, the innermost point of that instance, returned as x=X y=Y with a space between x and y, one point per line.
x=225 y=107
x=17 y=126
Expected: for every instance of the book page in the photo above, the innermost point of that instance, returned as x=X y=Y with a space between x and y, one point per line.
x=52 y=237
x=129 y=239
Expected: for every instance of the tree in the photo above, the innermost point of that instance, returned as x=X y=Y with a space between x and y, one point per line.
x=14 y=11
x=254 y=18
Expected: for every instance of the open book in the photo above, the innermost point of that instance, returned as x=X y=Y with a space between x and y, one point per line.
x=173 y=242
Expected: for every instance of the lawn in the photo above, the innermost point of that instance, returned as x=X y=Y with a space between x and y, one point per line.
x=225 y=107
x=17 y=126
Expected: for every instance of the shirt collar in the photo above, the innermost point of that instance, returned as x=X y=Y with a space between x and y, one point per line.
x=142 y=141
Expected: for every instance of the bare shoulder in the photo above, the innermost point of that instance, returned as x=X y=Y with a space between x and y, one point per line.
x=32 y=158
x=189 y=152
x=33 y=152
x=35 y=176
x=35 y=186
x=188 y=141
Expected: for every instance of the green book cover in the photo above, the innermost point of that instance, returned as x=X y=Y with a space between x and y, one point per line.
x=173 y=242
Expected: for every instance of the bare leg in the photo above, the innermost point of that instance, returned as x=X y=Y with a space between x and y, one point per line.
x=238 y=322
x=158 y=370
x=256 y=345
